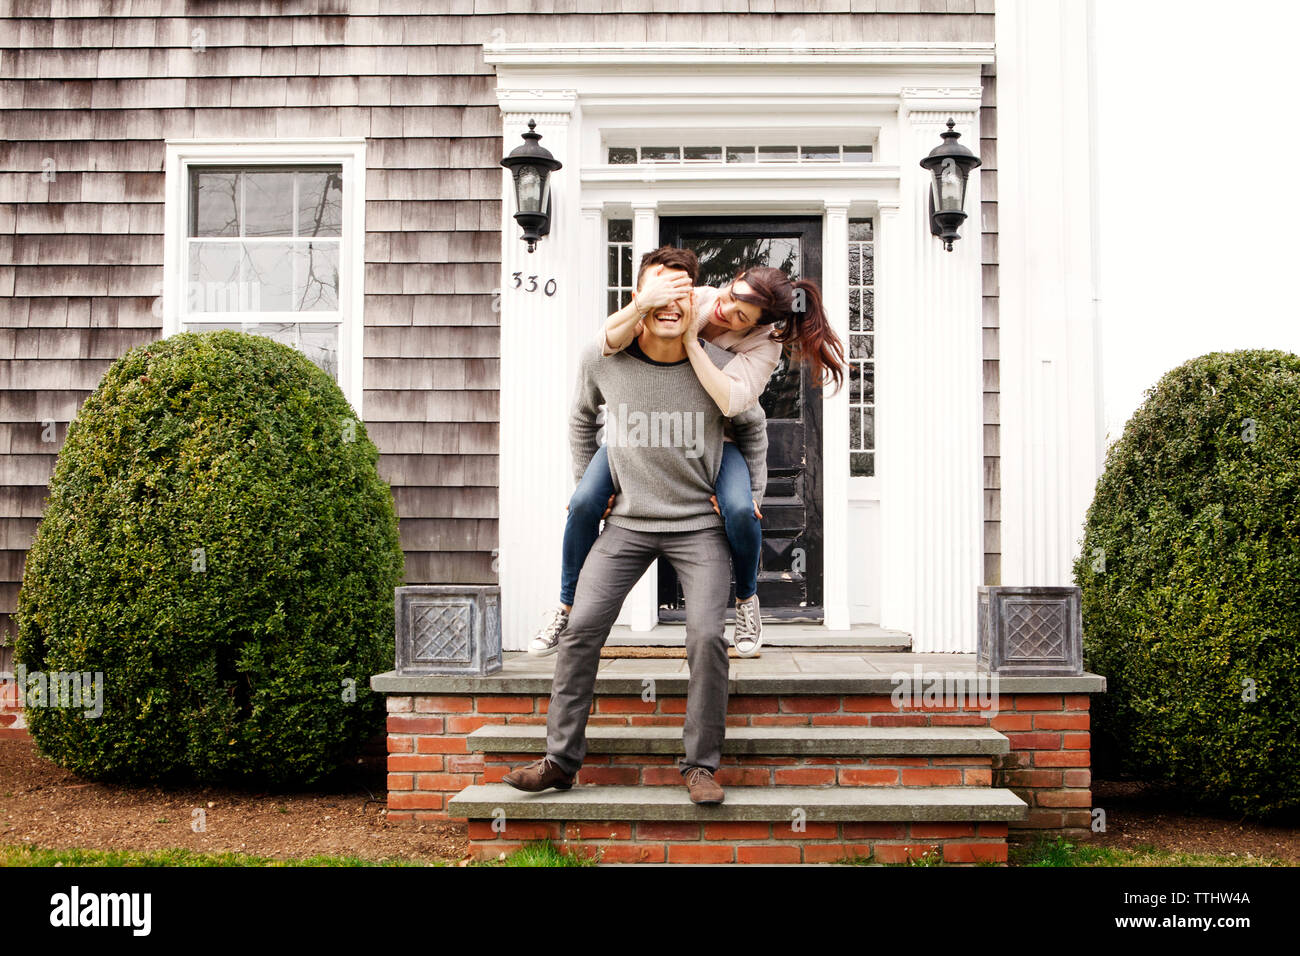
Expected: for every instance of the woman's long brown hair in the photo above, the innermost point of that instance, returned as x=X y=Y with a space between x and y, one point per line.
x=796 y=308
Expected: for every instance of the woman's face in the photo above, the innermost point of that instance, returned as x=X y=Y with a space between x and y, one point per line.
x=730 y=313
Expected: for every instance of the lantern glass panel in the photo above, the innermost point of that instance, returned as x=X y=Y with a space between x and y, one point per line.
x=528 y=188
x=951 y=185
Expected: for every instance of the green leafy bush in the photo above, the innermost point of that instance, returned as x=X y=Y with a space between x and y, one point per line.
x=1190 y=572
x=219 y=545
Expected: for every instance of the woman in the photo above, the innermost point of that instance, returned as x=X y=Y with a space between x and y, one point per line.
x=754 y=316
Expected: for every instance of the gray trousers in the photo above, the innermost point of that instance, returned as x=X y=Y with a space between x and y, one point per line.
x=702 y=560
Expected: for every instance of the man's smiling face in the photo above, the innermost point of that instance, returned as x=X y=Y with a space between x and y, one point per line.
x=669 y=321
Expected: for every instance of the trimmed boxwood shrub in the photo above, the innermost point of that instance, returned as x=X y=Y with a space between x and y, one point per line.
x=1190 y=572
x=219 y=545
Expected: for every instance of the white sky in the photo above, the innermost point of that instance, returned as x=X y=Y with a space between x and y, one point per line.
x=1199 y=233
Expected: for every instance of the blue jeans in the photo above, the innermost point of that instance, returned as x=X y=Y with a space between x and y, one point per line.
x=735 y=501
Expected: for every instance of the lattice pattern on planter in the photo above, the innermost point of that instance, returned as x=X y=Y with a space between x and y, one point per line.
x=1035 y=630
x=440 y=632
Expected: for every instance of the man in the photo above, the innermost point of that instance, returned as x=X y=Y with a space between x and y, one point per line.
x=664 y=439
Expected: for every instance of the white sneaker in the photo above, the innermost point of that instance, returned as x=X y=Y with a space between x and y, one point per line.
x=547 y=640
x=748 y=637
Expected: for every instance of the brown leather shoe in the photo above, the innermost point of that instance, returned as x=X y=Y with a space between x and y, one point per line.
x=539 y=775
x=703 y=788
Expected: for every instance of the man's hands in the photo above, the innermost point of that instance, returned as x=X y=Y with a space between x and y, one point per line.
x=714 y=500
x=658 y=288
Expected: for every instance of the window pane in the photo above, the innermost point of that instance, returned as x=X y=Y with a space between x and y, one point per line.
x=868 y=310
x=857 y=154
x=661 y=154
x=860 y=230
x=855 y=264
x=855 y=429
x=869 y=382
x=214 y=279
x=740 y=154
x=612 y=304
x=778 y=154
x=320 y=203
x=622 y=156
x=860 y=346
x=268 y=203
x=317 y=286
x=270 y=267
x=820 y=154
x=868 y=428
x=318 y=341
x=626 y=277
x=620 y=230
x=700 y=154
x=855 y=311
x=214 y=203
x=862 y=465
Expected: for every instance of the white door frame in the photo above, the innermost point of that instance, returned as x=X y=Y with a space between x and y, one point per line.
x=582 y=94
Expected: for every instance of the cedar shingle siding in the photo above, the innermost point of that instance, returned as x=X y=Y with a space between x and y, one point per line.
x=81 y=255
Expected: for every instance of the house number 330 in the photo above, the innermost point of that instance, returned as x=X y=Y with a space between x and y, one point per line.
x=529 y=284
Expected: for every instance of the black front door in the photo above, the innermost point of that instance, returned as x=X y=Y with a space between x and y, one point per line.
x=790 y=569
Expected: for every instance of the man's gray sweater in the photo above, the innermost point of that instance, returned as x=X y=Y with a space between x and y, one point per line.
x=664 y=436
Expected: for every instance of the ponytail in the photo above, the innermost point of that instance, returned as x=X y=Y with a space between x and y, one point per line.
x=812 y=339
x=796 y=309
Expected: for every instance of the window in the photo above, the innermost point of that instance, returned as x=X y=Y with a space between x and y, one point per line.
x=268 y=239
x=621 y=278
x=862 y=366
x=697 y=155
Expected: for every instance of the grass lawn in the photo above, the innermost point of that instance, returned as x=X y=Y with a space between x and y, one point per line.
x=1061 y=852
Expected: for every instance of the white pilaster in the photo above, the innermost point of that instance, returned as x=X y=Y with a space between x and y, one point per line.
x=835 y=427
x=535 y=474
x=931 y=396
x=895 y=361
x=1051 y=448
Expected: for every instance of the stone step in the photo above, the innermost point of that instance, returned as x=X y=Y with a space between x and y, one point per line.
x=795 y=635
x=795 y=741
x=766 y=804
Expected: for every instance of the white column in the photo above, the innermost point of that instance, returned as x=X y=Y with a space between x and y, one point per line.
x=933 y=459
x=1050 y=408
x=894 y=351
x=835 y=427
x=641 y=606
x=535 y=474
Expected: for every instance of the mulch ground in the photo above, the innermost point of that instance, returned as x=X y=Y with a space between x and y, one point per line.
x=1140 y=814
x=44 y=805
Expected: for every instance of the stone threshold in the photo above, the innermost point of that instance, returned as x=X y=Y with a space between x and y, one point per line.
x=775 y=671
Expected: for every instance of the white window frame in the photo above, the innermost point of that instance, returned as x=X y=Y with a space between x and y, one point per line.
x=350 y=153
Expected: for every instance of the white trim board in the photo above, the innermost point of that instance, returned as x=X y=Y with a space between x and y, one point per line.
x=900 y=95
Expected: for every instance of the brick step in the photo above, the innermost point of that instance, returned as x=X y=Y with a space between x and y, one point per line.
x=765 y=756
x=754 y=825
x=774 y=741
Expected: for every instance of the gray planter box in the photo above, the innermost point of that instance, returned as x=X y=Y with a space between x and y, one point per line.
x=1030 y=631
x=448 y=629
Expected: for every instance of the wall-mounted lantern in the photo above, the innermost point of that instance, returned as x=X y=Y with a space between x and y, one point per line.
x=532 y=165
x=950 y=164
